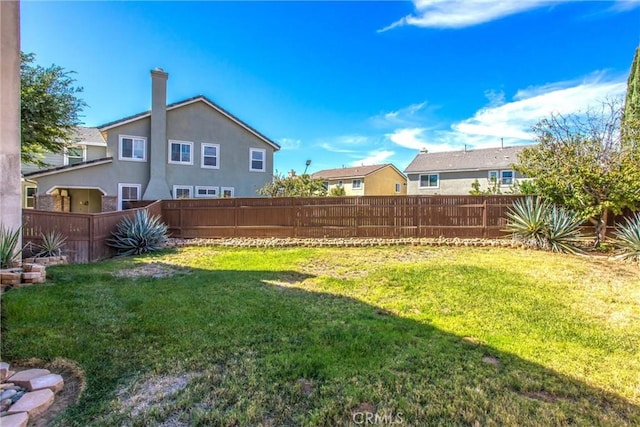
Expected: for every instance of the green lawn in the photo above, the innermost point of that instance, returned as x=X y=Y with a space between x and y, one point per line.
x=322 y=336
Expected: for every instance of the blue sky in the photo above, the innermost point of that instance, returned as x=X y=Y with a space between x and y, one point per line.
x=347 y=83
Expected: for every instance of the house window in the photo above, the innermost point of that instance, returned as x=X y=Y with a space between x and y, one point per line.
x=133 y=148
x=182 y=191
x=210 y=156
x=493 y=176
x=340 y=184
x=356 y=184
x=257 y=159
x=430 y=181
x=30 y=197
x=506 y=177
x=227 y=192
x=180 y=152
x=206 y=191
x=326 y=184
x=398 y=188
x=74 y=155
x=127 y=193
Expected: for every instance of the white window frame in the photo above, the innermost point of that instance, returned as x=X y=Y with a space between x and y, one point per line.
x=133 y=139
x=340 y=184
x=182 y=187
x=493 y=175
x=207 y=188
x=27 y=197
x=230 y=189
x=398 y=187
x=66 y=153
x=264 y=159
x=122 y=185
x=437 y=175
x=353 y=184
x=181 y=162
x=513 y=177
x=202 y=156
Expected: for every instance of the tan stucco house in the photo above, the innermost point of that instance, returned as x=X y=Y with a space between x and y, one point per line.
x=374 y=180
x=188 y=149
x=454 y=172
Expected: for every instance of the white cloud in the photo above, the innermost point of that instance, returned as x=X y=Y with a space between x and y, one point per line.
x=289 y=143
x=467 y=13
x=374 y=158
x=511 y=121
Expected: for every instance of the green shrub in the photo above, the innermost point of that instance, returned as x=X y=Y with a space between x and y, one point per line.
x=52 y=244
x=542 y=225
x=140 y=234
x=9 y=251
x=627 y=238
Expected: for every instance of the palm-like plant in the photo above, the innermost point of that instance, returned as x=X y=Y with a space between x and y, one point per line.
x=52 y=244
x=563 y=230
x=140 y=234
x=627 y=238
x=542 y=225
x=527 y=221
x=9 y=251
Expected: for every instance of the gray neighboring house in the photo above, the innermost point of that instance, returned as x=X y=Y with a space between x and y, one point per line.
x=189 y=149
x=453 y=172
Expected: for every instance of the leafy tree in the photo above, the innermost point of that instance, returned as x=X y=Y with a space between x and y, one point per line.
x=586 y=163
x=49 y=109
x=293 y=186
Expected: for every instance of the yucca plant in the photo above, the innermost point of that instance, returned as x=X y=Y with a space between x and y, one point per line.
x=627 y=238
x=140 y=234
x=9 y=250
x=563 y=230
x=542 y=225
x=52 y=244
x=527 y=221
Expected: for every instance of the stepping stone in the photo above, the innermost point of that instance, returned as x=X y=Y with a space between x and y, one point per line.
x=4 y=370
x=16 y=420
x=53 y=382
x=33 y=403
x=22 y=378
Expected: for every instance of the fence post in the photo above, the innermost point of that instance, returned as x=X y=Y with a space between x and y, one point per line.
x=485 y=231
x=91 y=238
x=235 y=217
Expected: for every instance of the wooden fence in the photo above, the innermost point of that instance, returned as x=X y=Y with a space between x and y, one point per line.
x=86 y=233
x=343 y=217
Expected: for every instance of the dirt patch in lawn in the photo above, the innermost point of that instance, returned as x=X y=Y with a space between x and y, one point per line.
x=154 y=270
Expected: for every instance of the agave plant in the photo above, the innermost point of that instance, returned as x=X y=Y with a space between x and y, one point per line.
x=563 y=230
x=52 y=244
x=627 y=238
x=527 y=221
x=9 y=250
x=140 y=234
x=542 y=225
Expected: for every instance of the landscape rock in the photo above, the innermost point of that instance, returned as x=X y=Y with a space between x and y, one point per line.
x=23 y=377
x=34 y=403
x=53 y=382
x=4 y=370
x=7 y=394
x=5 y=404
x=16 y=420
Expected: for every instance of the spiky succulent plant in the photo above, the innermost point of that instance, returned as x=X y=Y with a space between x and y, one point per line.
x=627 y=238
x=139 y=234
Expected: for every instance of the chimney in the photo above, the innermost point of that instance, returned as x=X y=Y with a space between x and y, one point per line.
x=157 y=188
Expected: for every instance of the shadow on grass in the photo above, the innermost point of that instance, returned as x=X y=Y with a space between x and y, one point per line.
x=264 y=352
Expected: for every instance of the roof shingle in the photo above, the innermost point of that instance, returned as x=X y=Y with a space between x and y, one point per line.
x=355 y=172
x=481 y=159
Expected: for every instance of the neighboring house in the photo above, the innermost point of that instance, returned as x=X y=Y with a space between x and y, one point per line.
x=88 y=144
x=189 y=149
x=375 y=180
x=453 y=172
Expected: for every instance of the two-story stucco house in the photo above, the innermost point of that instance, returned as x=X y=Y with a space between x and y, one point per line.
x=454 y=172
x=374 y=180
x=188 y=149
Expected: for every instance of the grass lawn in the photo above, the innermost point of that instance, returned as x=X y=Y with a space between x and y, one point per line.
x=303 y=336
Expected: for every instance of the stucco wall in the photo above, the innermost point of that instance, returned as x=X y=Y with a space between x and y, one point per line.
x=454 y=183
x=199 y=123
x=383 y=183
